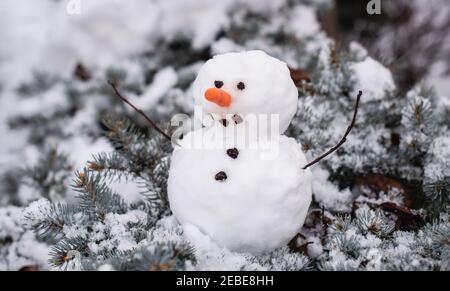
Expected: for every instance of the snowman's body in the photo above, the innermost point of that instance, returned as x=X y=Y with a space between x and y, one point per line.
x=262 y=203
x=233 y=192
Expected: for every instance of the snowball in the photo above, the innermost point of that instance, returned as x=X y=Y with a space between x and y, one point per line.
x=261 y=205
x=268 y=90
x=373 y=79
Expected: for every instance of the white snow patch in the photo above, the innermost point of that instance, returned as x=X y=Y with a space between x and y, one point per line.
x=373 y=79
x=27 y=193
x=303 y=22
x=328 y=194
x=163 y=81
x=128 y=189
x=25 y=250
x=81 y=149
x=36 y=212
x=46 y=103
x=225 y=45
x=439 y=166
x=359 y=52
x=315 y=249
x=106 y=268
x=440 y=80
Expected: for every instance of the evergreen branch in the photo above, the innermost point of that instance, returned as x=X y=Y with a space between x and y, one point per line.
x=374 y=222
x=121 y=131
x=96 y=197
x=155 y=188
x=170 y=256
x=67 y=250
x=151 y=122
x=50 y=173
x=437 y=195
x=51 y=226
x=109 y=164
x=167 y=256
x=344 y=138
x=135 y=152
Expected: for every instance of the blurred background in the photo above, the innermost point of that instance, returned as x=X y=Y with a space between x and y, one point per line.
x=56 y=56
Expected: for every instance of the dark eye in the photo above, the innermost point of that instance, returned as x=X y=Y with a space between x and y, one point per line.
x=218 y=84
x=240 y=86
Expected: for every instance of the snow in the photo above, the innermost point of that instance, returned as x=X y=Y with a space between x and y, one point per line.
x=24 y=250
x=225 y=45
x=42 y=37
x=46 y=103
x=439 y=80
x=105 y=268
x=439 y=165
x=259 y=72
x=122 y=237
x=77 y=229
x=163 y=81
x=303 y=22
x=373 y=79
x=36 y=211
x=356 y=246
x=205 y=18
x=359 y=52
x=315 y=248
x=81 y=148
x=27 y=193
x=115 y=232
x=327 y=194
x=129 y=189
x=93 y=28
x=14 y=143
x=213 y=257
x=106 y=38
x=275 y=191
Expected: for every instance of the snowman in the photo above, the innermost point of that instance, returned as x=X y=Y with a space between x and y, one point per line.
x=229 y=188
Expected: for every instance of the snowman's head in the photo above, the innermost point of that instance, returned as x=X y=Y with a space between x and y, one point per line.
x=249 y=82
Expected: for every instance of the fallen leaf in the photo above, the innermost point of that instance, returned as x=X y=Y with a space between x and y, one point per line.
x=295 y=247
x=30 y=268
x=299 y=75
x=82 y=73
x=406 y=219
x=381 y=183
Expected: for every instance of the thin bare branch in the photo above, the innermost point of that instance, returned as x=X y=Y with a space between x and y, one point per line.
x=153 y=124
x=344 y=138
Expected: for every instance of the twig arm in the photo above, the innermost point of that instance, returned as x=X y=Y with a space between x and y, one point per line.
x=344 y=138
x=153 y=124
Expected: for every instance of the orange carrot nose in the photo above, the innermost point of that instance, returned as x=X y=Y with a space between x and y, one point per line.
x=218 y=96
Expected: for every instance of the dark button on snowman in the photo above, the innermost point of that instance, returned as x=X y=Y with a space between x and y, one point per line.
x=228 y=189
